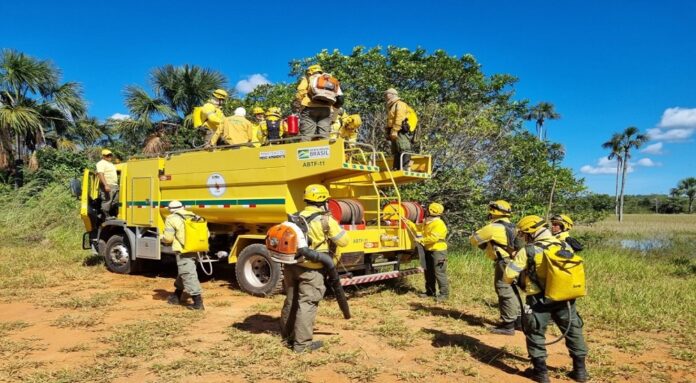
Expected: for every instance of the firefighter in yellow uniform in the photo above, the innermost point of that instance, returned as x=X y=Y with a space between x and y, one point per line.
x=530 y=260
x=560 y=227
x=211 y=116
x=259 y=120
x=315 y=117
x=304 y=282
x=397 y=113
x=235 y=130
x=497 y=239
x=108 y=181
x=346 y=126
x=273 y=127
x=434 y=241
x=187 y=276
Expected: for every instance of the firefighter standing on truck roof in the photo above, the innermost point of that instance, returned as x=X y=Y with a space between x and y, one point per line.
x=187 y=276
x=563 y=313
x=259 y=121
x=304 y=282
x=210 y=114
x=273 y=127
x=498 y=240
x=108 y=181
x=434 y=241
x=398 y=130
x=315 y=116
x=235 y=130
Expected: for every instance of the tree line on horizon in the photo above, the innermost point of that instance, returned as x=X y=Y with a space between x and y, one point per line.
x=469 y=121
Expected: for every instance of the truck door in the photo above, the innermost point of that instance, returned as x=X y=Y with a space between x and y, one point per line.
x=142 y=206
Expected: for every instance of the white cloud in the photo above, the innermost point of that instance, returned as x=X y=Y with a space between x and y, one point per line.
x=678 y=118
x=673 y=135
x=655 y=148
x=647 y=162
x=604 y=166
x=676 y=125
x=607 y=166
x=119 y=116
x=250 y=83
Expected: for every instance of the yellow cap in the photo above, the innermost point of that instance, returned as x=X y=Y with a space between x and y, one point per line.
x=106 y=152
x=257 y=110
x=314 y=69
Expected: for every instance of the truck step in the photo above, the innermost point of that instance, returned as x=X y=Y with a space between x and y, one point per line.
x=379 y=276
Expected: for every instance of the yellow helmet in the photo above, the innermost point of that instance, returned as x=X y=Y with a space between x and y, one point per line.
x=563 y=220
x=316 y=193
x=106 y=152
x=273 y=111
x=436 y=209
x=220 y=94
x=351 y=122
x=316 y=68
x=530 y=224
x=500 y=208
x=257 y=110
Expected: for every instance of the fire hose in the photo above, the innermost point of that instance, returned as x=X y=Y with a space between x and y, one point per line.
x=332 y=273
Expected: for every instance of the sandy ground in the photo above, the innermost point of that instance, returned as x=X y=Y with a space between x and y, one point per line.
x=65 y=333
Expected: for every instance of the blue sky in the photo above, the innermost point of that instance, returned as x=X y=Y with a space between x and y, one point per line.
x=605 y=65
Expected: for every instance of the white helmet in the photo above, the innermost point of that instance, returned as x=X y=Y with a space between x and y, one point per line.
x=240 y=112
x=175 y=205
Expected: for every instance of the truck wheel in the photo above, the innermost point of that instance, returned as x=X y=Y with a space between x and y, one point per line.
x=256 y=272
x=117 y=256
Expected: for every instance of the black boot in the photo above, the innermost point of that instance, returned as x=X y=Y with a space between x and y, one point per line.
x=579 y=373
x=505 y=328
x=197 y=303
x=406 y=166
x=175 y=299
x=539 y=373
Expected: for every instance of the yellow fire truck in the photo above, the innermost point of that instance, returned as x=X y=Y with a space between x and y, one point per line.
x=242 y=191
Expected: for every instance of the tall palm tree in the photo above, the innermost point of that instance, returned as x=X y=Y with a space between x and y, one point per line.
x=540 y=113
x=32 y=103
x=614 y=144
x=177 y=90
x=630 y=139
x=686 y=187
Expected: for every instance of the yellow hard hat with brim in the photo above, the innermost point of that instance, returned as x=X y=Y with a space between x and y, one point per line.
x=106 y=152
x=220 y=94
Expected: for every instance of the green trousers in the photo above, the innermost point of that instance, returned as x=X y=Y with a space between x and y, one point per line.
x=304 y=288
x=400 y=145
x=436 y=273
x=187 y=277
x=508 y=304
x=538 y=320
x=315 y=120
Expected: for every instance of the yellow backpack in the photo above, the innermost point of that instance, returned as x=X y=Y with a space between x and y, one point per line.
x=195 y=234
x=565 y=273
x=411 y=118
x=197 y=117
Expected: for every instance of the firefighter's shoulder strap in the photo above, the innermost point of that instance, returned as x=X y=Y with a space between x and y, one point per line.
x=304 y=222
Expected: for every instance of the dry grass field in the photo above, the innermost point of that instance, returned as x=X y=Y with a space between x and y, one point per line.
x=64 y=318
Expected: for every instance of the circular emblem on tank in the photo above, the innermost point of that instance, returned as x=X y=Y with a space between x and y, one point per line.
x=216 y=185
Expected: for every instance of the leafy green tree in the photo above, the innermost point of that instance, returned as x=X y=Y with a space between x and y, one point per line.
x=540 y=113
x=630 y=139
x=468 y=122
x=614 y=144
x=34 y=104
x=686 y=187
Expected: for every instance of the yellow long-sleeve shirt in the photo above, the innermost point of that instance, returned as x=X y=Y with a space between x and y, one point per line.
x=336 y=234
x=434 y=234
x=174 y=229
x=234 y=130
x=493 y=239
x=397 y=111
x=212 y=116
x=520 y=263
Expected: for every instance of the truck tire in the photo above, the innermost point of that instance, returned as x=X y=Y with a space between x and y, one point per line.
x=117 y=256
x=256 y=273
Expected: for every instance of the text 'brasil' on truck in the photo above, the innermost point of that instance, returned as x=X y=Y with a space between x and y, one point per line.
x=243 y=191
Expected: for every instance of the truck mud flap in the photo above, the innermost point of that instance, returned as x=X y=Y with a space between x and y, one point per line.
x=379 y=276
